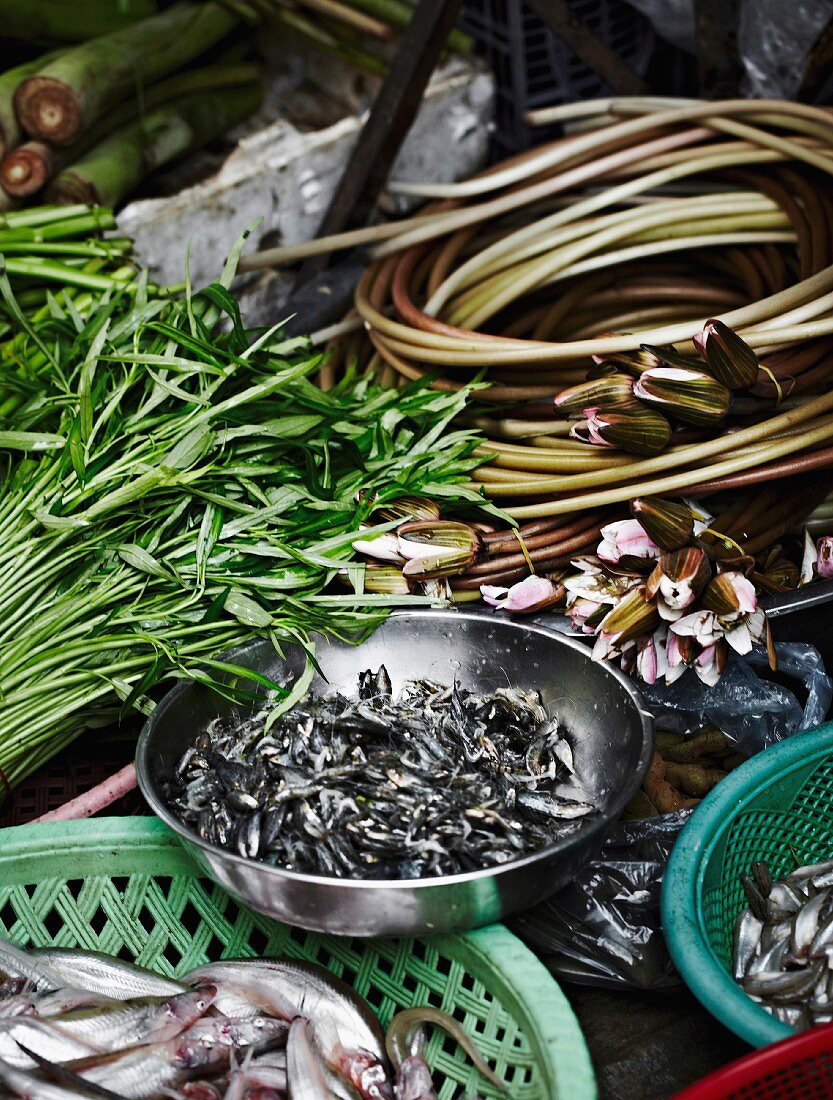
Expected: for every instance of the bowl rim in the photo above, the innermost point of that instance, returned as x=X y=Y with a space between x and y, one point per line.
x=597 y=825
x=682 y=886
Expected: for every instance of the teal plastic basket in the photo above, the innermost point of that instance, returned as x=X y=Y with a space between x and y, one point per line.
x=127 y=887
x=779 y=807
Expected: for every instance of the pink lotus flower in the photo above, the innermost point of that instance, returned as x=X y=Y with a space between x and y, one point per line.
x=580 y=610
x=710 y=663
x=527 y=595
x=626 y=537
x=675 y=662
x=592 y=589
x=731 y=611
x=824 y=557
x=651 y=656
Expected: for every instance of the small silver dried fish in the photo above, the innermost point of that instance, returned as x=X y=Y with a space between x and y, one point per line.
x=782 y=945
x=434 y=780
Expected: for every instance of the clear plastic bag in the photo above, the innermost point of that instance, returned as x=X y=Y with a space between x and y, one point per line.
x=604 y=928
x=774 y=38
x=753 y=711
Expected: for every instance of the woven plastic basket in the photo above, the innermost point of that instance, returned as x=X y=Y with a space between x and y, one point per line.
x=125 y=886
x=798 y=1068
x=778 y=807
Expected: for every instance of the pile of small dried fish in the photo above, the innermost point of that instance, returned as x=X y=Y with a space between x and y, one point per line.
x=783 y=943
x=81 y=1024
x=436 y=781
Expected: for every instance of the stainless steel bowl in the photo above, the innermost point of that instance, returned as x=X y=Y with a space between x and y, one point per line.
x=611 y=732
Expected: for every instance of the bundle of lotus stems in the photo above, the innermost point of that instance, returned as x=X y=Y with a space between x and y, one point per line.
x=650 y=218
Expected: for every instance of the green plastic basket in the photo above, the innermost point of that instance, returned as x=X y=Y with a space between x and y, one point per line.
x=125 y=886
x=779 y=807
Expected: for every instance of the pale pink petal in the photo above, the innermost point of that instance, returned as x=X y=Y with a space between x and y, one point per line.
x=676 y=594
x=756 y=625
x=626 y=536
x=739 y=638
x=646 y=662
x=702 y=625
x=382 y=548
x=605 y=646
x=706 y=666
x=493 y=594
x=527 y=593
x=673 y=653
x=745 y=592
x=809 y=560
x=673 y=674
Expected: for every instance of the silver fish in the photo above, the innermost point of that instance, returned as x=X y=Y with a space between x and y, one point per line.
x=40 y=1036
x=144 y=1072
x=34 y=972
x=105 y=974
x=29 y=1087
x=304 y=1070
x=805 y=924
x=782 y=985
x=746 y=941
x=134 y=1023
x=290 y=988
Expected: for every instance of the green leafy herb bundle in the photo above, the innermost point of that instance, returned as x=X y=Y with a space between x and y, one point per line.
x=171 y=485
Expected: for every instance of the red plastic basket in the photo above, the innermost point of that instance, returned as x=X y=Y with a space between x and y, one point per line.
x=798 y=1068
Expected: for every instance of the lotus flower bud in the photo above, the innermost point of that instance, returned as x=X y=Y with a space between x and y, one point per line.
x=679 y=577
x=669 y=524
x=437 y=538
x=626 y=538
x=730 y=359
x=609 y=392
x=729 y=594
x=670 y=357
x=433 y=565
x=639 y=430
x=386 y=581
x=824 y=557
x=382 y=547
x=406 y=508
x=632 y=617
x=634 y=361
x=690 y=396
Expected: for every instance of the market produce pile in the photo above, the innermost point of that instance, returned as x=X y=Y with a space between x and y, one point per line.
x=651 y=301
x=114 y=96
x=173 y=485
x=83 y=1024
x=433 y=781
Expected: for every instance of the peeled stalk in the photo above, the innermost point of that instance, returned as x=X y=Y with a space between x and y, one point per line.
x=70 y=93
